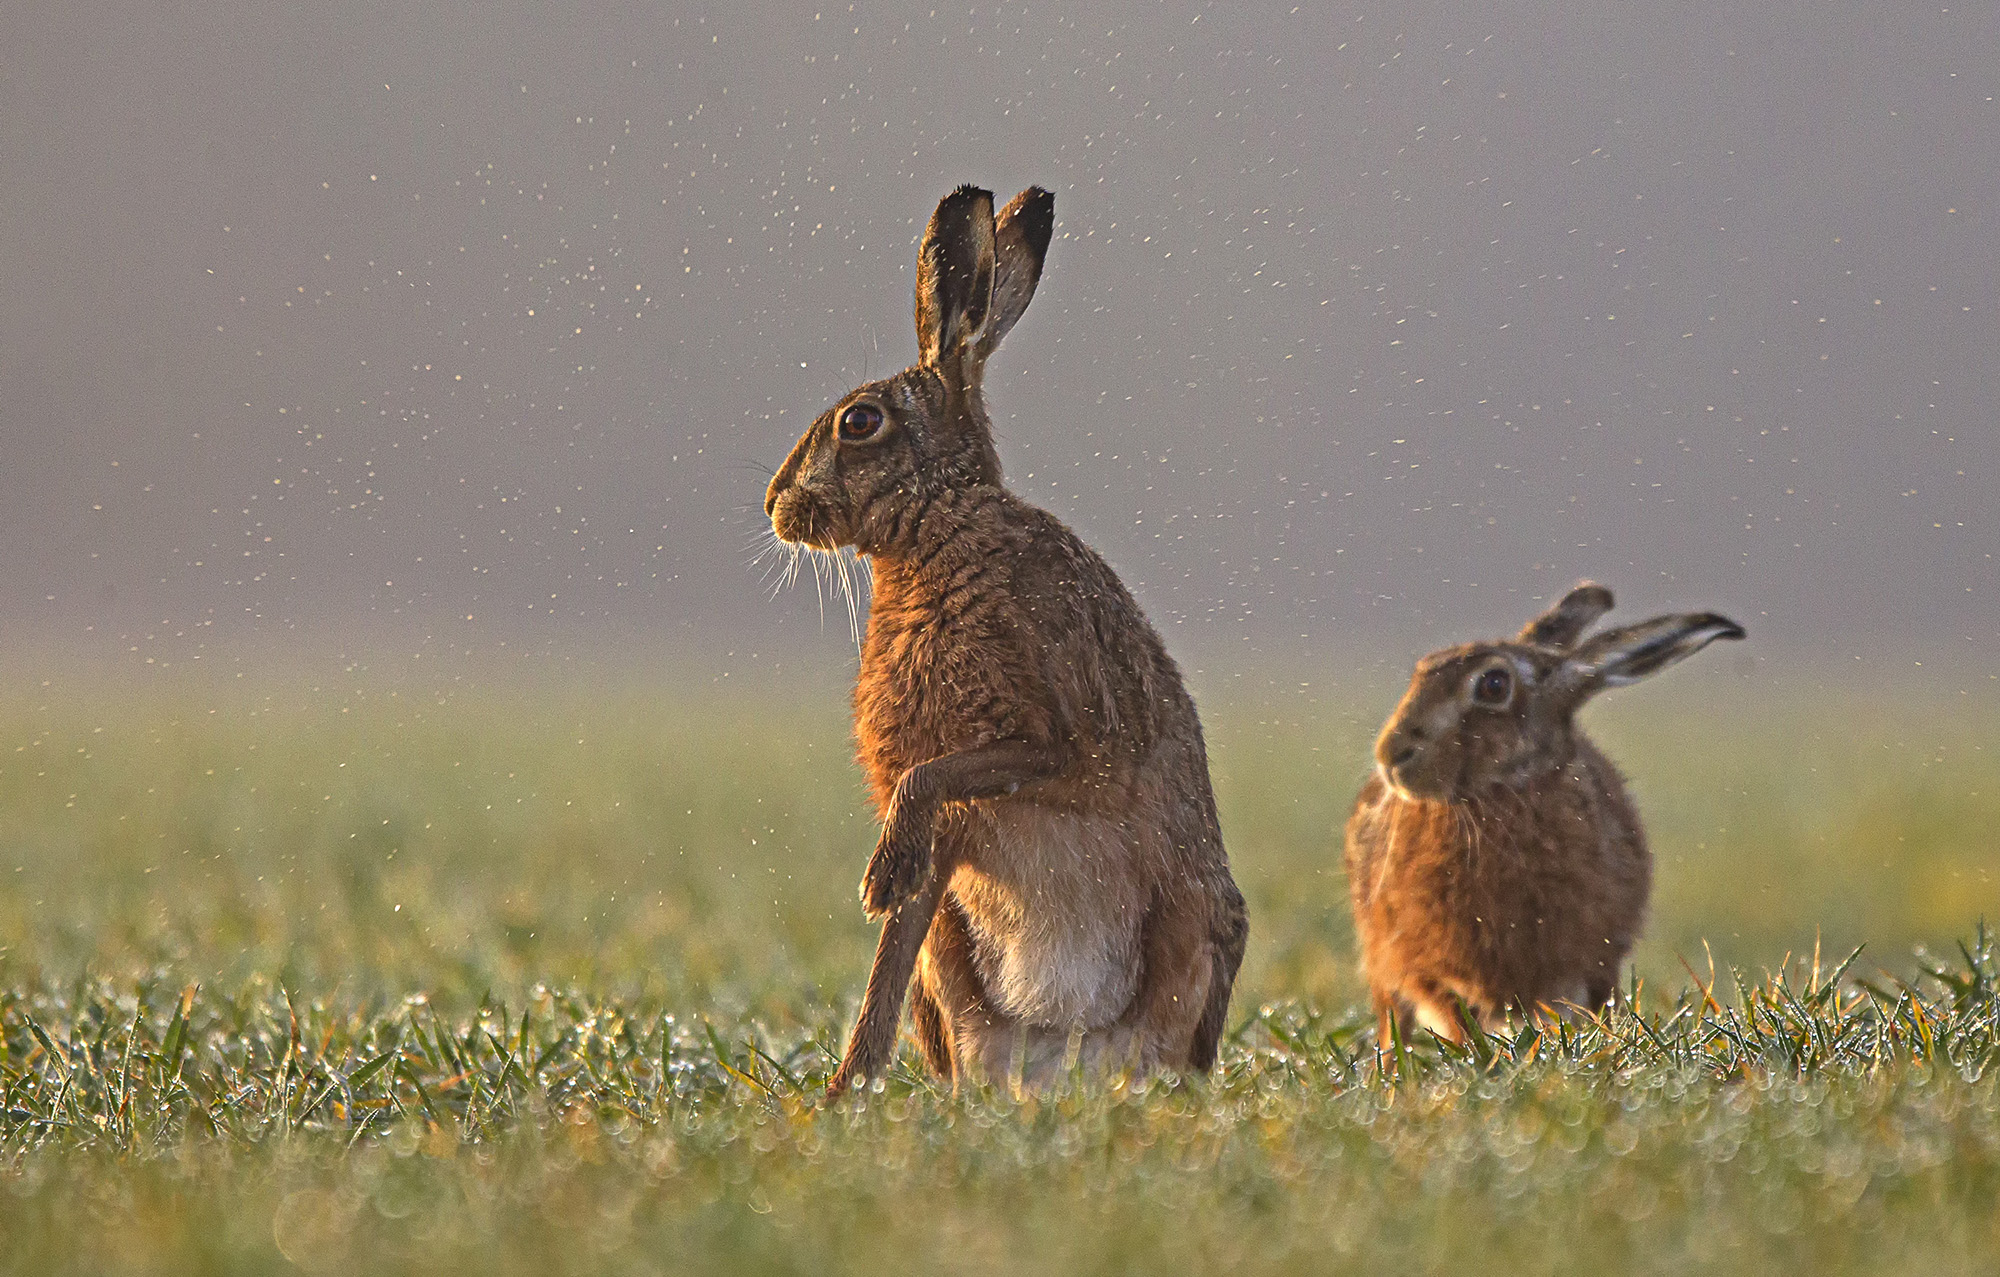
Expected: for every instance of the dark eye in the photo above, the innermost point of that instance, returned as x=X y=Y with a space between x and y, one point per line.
x=860 y=421
x=1493 y=687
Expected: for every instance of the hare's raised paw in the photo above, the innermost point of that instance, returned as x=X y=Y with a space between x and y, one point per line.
x=896 y=871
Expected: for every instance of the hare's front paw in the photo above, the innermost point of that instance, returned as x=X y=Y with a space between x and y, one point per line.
x=897 y=870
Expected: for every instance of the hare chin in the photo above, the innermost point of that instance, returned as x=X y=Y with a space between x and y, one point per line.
x=1393 y=791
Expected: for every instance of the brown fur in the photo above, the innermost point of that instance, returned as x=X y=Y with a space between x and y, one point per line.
x=1050 y=866
x=1494 y=859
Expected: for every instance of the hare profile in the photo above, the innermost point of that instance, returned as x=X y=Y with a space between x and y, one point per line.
x=1050 y=867
x=1494 y=858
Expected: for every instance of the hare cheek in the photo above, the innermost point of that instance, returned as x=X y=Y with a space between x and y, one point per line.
x=1431 y=774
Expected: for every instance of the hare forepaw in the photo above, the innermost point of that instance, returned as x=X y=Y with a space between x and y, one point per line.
x=896 y=871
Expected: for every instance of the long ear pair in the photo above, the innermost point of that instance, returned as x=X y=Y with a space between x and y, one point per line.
x=977 y=273
x=1632 y=652
x=1623 y=655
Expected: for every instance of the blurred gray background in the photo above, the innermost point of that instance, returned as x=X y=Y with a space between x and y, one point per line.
x=458 y=328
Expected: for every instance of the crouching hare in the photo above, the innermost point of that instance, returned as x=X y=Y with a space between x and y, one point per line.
x=1050 y=868
x=1494 y=858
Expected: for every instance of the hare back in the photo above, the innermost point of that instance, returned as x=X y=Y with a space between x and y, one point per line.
x=1055 y=900
x=1523 y=895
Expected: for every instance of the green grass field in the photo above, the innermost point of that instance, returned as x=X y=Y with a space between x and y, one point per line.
x=388 y=978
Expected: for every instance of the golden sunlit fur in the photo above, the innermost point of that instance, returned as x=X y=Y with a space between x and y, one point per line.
x=1495 y=862
x=1050 y=866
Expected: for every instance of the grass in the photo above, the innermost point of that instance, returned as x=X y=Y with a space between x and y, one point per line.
x=359 y=978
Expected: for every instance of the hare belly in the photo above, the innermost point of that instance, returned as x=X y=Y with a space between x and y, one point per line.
x=1055 y=910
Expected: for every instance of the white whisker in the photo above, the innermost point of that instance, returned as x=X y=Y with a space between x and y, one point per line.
x=851 y=568
x=788 y=569
x=781 y=563
x=846 y=585
x=819 y=581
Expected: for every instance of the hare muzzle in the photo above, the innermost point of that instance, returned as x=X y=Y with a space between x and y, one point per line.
x=792 y=517
x=1415 y=760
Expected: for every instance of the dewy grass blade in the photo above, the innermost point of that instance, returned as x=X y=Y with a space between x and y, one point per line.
x=172 y=1049
x=369 y=1068
x=722 y=1059
x=776 y=1067
x=56 y=1052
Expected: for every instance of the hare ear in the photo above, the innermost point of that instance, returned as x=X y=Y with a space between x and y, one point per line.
x=954 y=275
x=1630 y=653
x=1020 y=245
x=1562 y=625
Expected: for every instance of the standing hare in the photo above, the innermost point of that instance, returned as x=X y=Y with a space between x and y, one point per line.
x=1494 y=858
x=1050 y=867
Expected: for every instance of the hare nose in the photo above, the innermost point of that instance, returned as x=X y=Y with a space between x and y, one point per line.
x=779 y=483
x=1399 y=748
x=788 y=474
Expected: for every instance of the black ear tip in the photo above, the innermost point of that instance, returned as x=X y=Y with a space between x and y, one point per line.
x=1713 y=625
x=965 y=206
x=1034 y=211
x=1590 y=592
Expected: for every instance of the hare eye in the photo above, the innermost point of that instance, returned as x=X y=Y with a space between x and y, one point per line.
x=1493 y=687
x=860 y=422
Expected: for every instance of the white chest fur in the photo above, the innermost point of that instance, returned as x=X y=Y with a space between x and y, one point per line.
x=1055 y=909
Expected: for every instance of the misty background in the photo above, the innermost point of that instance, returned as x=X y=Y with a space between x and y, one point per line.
x=458 y=329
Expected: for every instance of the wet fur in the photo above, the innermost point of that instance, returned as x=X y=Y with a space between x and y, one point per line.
x=1510 y=899
x=1050 y=869
x=1495 y=862
x=995 y=629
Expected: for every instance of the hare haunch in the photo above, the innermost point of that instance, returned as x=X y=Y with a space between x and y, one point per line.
x=1050 y=867
x=1494 y=857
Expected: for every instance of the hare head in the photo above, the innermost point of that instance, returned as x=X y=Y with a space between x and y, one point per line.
x=867 y=469
x=1484 y=714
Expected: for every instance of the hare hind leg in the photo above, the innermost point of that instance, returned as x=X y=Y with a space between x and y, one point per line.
x=1180 y=980
x=933 y=1035
x=949 y=984
x=1229 y=936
